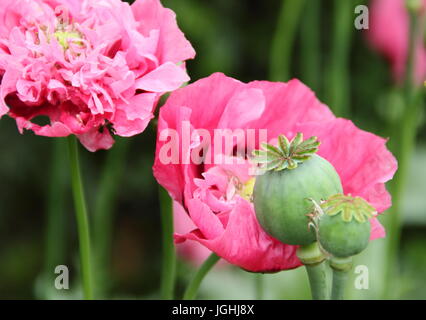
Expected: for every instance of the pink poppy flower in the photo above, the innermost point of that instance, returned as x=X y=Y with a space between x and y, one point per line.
x=389 y=34
x=90 y=68
x=216 y=192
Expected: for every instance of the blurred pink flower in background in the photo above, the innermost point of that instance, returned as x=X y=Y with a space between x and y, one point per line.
x=91 y=67
x=216 y=197
x=388 y=33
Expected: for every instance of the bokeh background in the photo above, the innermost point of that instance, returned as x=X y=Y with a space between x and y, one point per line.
x=234 y=37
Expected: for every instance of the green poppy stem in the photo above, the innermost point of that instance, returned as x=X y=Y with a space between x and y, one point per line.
x=337 y=89
x=103 y=216
x=314 y=261
x=55 y=241
x=310 y=45
x=82 y=218
x=341 y=268
x=283 y=41
x=317 y=280
x=168 y=272
x=260 y=286
x=192 y=289
x=404 y=146
x=339 y=285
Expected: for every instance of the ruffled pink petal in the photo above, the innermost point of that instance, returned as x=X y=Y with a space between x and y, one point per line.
x=287 y=105
x=127 y=128
x=213 y=91
x=172 y=45
x=73 y=7
x=165 y=78
x=205 y=219
x=8 y=85
x=170 y=175
x=245 y=106
x=132 y=118
x=95 y=140
x=237 y=167
x=214 y=176
x=140 y=106
x=191 y=250
x=56 y=129
x=244 y=243
x=361 y=159
x=377 y=230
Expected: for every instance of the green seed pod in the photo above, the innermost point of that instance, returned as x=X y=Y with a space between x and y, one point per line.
x=283 y=195
x=344 y=228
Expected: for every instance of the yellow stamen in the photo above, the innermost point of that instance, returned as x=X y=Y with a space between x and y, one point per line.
x=63 y=37
x=246 y=190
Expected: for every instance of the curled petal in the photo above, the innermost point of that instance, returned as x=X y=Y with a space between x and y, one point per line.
x=173 y=45
x=96 y=140
x=361 y=159
x=244 y=243
x=165 y=78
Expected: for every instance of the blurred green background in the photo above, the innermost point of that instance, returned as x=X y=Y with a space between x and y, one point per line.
x=234 y=37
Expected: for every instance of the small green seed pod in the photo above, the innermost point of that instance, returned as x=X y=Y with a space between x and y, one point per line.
x=282 y=195
x=343 y=239
x=344 y=228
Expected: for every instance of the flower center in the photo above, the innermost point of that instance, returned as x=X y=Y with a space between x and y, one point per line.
x=65 y=37
x=245 y=190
